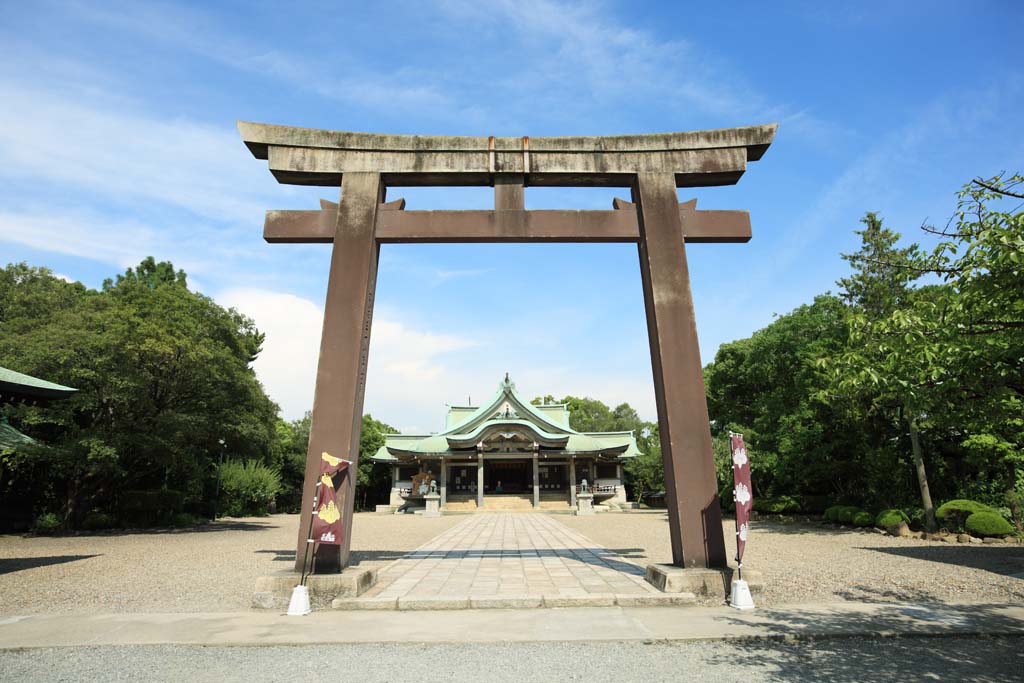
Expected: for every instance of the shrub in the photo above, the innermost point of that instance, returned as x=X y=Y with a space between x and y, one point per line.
x=863 y=519
x=891 y=517
x=955 y=512
x=777 y=506
x=184 y=519
x=832 y=513
x=248 y=487
x=47 y=523
x=95 y=521
x=846 y=514
x=988 y=524
x=812 y=504
x=150 y=508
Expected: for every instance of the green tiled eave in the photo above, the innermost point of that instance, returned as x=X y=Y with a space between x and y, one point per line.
x=11 y=439
x=21 y=386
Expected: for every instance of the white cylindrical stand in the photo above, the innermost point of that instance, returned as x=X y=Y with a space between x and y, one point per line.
x=741 y=598
x=299 y=605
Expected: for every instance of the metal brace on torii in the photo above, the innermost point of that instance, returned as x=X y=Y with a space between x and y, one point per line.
x=652 y=166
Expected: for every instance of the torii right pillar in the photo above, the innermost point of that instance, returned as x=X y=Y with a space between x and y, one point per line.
x=691 y=490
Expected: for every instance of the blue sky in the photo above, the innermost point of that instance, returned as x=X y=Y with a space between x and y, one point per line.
x=117 y=141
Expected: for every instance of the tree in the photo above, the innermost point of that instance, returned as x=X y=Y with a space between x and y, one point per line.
x=886 y=360
x=770 y=388
x=163 y=373
x=372 y=481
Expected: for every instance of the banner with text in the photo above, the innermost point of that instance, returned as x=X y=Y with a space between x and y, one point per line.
x=327 y=527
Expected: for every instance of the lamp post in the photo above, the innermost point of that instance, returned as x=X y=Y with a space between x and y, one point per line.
x=216 y=493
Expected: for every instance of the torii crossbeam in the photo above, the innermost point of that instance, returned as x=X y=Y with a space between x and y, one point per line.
x=652 y=166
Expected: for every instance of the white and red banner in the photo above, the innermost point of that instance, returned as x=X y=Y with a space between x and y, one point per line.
x=327 y=527
x=742 y=493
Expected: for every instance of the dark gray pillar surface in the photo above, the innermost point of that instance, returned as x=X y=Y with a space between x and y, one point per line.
x=344 y=348
x=694 y=515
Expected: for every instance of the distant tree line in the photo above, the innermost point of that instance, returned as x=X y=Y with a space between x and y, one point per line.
x=904 y=390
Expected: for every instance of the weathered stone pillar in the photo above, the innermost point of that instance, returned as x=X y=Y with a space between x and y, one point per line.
x=344 y=348
x=444 y=482
x=536 y=479
x=572 y=481
x=691 y=492
x=479 y=479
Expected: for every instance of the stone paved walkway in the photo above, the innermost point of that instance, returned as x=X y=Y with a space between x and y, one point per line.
x=510 y=554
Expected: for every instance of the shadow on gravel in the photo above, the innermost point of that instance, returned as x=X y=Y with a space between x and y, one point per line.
x=998 y=559
x=213 y=527
x=279 y=555
x=872 y=659
x=17 y=564
x=977 y=659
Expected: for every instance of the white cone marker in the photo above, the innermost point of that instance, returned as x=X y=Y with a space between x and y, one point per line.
x=741 y=598
x=299 y=605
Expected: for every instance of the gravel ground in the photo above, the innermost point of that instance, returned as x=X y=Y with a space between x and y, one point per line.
x=982 y=660
x=807 y=562
x=207 y=570
x=215 y=569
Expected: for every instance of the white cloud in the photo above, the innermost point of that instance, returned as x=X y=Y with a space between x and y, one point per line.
x=122 y=242
x=287 y=365
x=410 y=370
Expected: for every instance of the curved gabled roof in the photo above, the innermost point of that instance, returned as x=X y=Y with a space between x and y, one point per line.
x=508 y=412
x=521 y=408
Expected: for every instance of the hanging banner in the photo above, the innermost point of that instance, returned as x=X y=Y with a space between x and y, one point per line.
x=327 y=528
x=742 y=493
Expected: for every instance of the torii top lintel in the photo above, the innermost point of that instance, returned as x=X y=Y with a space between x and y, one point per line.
x=307 y=156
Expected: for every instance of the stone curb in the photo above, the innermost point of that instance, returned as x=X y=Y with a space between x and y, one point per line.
x=516 y=602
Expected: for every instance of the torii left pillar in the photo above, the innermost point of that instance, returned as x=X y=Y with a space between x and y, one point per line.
x=344 y=351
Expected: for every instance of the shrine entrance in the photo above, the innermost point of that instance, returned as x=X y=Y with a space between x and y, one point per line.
x=365 y=165
x=508 y=476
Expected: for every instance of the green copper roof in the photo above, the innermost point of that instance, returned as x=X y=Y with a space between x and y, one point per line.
x=11 y=439
x=18 y=386
x=507 y=416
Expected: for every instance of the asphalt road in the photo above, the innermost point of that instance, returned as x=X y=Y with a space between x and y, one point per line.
x=979 y=659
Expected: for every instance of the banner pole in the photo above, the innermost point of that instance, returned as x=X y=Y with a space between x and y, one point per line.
x=309 y=537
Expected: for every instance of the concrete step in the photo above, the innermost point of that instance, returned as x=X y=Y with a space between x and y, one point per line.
x=460 y=505
x=508 y=502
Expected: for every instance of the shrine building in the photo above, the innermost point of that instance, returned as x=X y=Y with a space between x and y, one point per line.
x=508 y=454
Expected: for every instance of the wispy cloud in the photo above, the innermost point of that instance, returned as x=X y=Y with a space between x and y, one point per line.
x=446 y=275
x=101 y=147
x=201 y=33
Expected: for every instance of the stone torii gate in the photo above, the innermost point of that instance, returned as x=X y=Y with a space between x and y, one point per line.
x=652 y=166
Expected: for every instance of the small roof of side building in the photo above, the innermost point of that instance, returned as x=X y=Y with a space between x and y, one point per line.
x=16 y=386
x=507 y=422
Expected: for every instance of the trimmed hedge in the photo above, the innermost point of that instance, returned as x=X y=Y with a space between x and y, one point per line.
x=777 y=506
x=863 y=518
x=891 y=517
x=846 y=514
x=988 y=524
x=96 y=521
x=955 y=512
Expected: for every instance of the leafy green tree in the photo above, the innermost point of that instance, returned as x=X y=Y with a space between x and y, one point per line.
x=373 y=482
x=770 y=388
x=886 y=360
x=163 y=373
